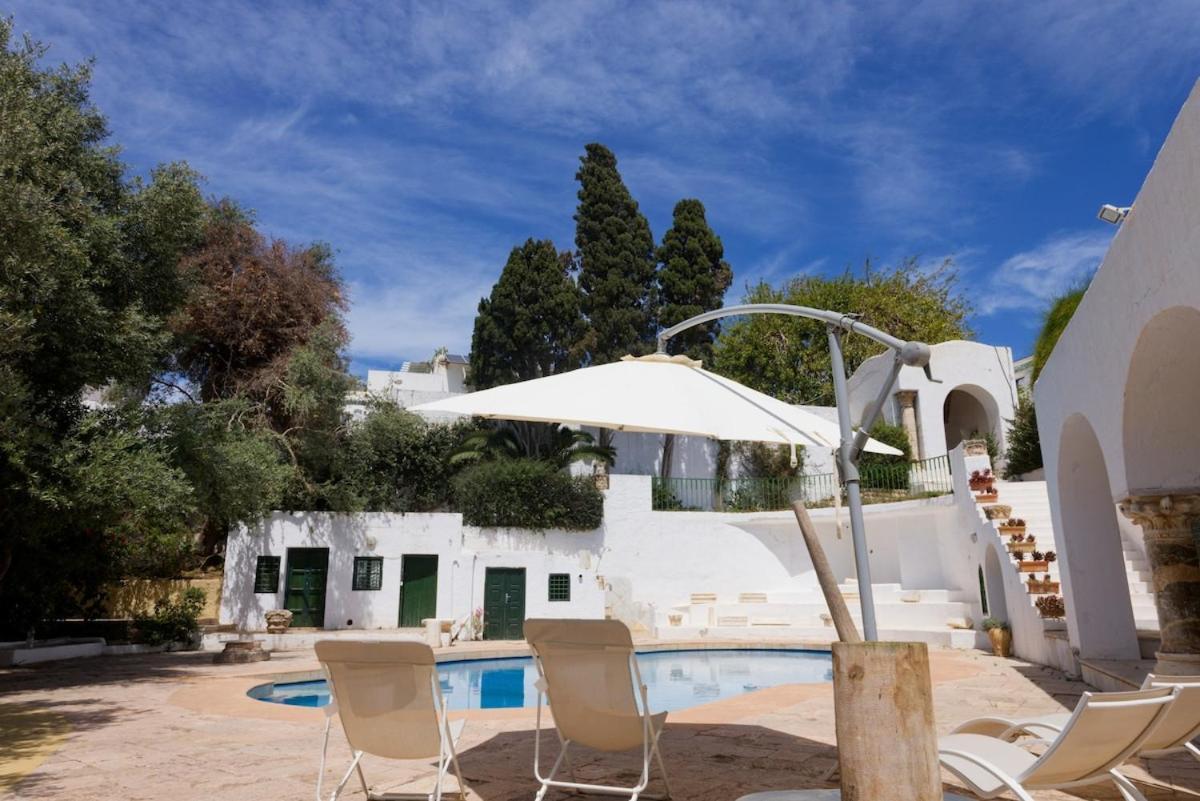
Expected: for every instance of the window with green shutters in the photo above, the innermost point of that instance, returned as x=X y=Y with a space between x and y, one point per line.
x=368 y=572
x=560 y=586
x=266 y=574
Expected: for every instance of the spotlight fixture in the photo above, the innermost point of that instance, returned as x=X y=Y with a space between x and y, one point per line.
x=1113 y=215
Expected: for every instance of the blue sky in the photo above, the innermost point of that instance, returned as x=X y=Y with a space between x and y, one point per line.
x=424 y=140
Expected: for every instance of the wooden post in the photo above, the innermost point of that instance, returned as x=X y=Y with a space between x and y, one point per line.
x=842 y=622
x=883 y=704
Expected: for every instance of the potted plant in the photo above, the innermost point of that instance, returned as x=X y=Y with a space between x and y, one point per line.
x=1020 y=542
x=982 y=480
x=1000 y=634
x=1013 y=526
x=1018 y=556
x=1051 y=556
x=1037 y=563
x=1051 y=607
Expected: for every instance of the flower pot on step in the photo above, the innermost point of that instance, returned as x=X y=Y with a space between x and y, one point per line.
x=1001 y=641
x=1022 y=547
x=987 y=497
x=1029 y=566
x=1008 y=531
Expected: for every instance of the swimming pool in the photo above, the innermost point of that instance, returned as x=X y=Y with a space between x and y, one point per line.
x=674 y=679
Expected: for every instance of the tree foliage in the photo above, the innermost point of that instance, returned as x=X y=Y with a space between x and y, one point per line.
x=616 y=261
x=788 y=357
x=559 y=446
x=692 y=278
x=394 y=461
x=527 y=493
x=1061 y=310
x=87 y=268
x=1024 y=452
x=529 y=325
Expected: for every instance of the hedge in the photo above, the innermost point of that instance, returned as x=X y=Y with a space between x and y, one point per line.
x=526 y=493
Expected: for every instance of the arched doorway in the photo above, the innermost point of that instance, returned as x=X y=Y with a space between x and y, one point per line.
x=1097 y=591
x=1162 y=395
x=993 y=579
x=1161 y=444
x=969 y=410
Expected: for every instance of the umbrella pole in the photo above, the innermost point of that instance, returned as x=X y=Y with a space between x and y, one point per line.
x=849 y=469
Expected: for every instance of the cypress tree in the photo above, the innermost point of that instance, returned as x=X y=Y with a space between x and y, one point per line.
x=529 y=324
x=617 y=264
x=692 y=278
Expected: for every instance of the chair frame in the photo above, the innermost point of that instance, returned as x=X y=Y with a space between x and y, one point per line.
x=1108 y=771
x=650 y=749
x=447 y=756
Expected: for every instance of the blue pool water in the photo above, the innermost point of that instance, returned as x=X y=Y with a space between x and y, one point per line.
x=674 y=679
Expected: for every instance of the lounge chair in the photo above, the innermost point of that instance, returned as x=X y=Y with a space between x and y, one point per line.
x=1104 y=730
x=387 y=695
x=1173 y=735
x=588 y=672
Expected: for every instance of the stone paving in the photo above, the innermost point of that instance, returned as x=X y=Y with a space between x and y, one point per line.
x=175 y=726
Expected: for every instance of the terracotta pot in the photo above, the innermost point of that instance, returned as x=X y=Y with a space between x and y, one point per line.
x=1001 y=641
x=1034 y=567
x=1010 y=530
x=1022 y=547
x=987 y=497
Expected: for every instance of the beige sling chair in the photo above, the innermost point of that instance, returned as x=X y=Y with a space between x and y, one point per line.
x=1173 y=734
x=588 y=672
x=387 y=695
x=1104 y=730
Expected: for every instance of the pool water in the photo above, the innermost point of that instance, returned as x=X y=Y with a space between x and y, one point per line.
x=674 y=679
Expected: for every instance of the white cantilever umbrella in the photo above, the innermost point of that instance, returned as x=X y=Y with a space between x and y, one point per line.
x=653 y=394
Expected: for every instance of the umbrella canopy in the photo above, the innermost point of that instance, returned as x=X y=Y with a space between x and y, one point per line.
x=652 y=394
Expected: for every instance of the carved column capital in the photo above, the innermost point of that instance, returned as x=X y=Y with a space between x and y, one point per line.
x=1163 y=513
x=906 y=398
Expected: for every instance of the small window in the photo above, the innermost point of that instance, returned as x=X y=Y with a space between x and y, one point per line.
x=560 y=586
x=266 y=574
x=368 y=572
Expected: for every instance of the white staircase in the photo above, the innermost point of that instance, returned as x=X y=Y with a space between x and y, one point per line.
x=1030 y=501
x=938 y=617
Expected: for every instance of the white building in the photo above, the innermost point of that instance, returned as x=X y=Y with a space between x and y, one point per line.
x=1117 y=410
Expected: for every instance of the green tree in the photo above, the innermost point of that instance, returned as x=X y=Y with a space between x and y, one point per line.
x=528 y=326
x=561 y=447
x=616 y=261
x=1061 y=310
x=87 y=274
x=692 y=278
x=788 y=357
x=394 y=461
x=1024 y=452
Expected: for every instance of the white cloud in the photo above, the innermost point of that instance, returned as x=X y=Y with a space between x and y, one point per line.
x=1030 y=279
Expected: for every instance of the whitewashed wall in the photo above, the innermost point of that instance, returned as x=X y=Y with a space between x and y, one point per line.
x=1121 y=389
x=984 y=370
x=640 y=560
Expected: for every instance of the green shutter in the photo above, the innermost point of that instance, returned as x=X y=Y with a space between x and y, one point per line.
x=368 y=572
x=266 y=574
x=560 y=586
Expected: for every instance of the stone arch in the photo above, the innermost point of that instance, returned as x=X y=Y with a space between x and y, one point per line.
x=1161 y=415
x=969 y=408
x=1095 y=584
x=993 y=582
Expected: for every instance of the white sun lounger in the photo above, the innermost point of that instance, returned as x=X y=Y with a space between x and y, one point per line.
x=1173 y=735
x=387 y=695
x=589 y=674
x=1104 y=730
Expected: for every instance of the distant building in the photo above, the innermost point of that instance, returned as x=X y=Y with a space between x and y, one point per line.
x=414 y=383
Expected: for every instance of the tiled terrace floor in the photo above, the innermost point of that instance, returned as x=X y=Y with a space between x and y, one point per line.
x=176 y=727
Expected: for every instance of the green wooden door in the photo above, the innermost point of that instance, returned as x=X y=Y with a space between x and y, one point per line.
x=418 y=590
x=504 y=603
x=305 y=597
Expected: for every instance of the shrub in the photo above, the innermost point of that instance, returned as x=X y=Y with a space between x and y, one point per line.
x=995 y=623
x=1024 y=452
x=526 y=493
x=879 y=471
x=172 y=621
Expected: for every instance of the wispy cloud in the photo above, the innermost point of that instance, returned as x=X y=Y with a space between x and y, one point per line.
x=424 y=139
x=1030 y=279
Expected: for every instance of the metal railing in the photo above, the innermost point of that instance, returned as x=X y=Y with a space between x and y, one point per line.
x=881 y=483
